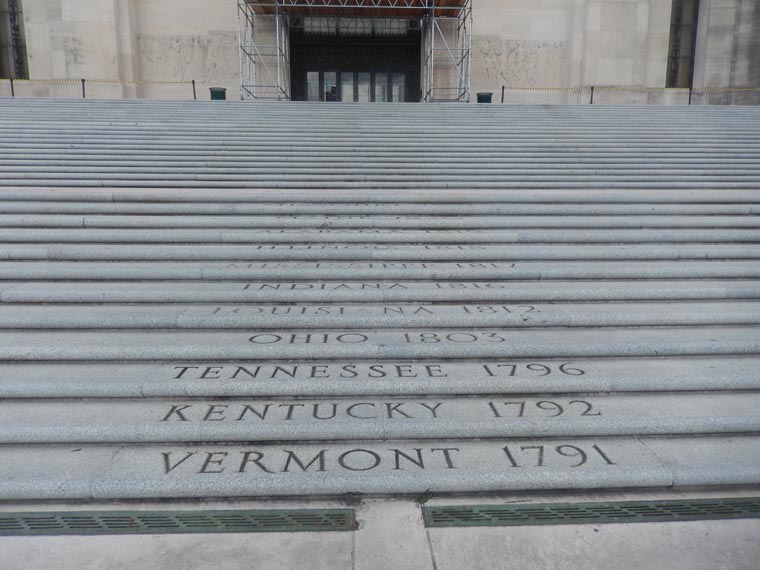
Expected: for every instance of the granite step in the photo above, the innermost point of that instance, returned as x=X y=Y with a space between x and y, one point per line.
x=342 y=377
x=352 y=291
x=383 y=344
x=102 y=472
x=399 y=182
x=377 y=252
x=742 y=206
x=328 y=236
x=439 y=147
x=399 y=316
x=458 y=202
x=377 y=419
x=381 y=222
x=474 y=275
x=206 y=300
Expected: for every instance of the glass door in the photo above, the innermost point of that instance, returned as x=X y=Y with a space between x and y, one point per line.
x=356 y=87
x=381 y=87
x=347 y=94
x=330 y=86
x=363 y=87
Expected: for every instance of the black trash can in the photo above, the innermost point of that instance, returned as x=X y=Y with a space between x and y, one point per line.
x=218 y=93
x=484 y=97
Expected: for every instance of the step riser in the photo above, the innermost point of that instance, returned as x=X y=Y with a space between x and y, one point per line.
x=349 y=317
x=222 y=471
x=373 y=419
x=378 y=252
x=394 y=379
x=170 y=236
x=406 y=344
x=283 y=271
x=386 y=292
x=203 y=300
x=328 y=225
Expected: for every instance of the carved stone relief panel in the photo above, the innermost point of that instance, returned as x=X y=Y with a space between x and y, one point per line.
x=521 y=63
x=205 y=58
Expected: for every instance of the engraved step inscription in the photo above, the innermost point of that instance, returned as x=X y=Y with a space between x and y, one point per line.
x=278 y=300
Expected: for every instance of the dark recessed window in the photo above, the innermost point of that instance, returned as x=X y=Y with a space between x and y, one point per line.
x=683 y=36
x=13 y=62
x=356 y=86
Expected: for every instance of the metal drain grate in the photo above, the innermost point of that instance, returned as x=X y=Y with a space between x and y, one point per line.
x=592 y=513
x=174 y=522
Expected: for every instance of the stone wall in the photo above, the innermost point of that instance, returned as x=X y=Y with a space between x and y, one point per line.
x=72 y=39
x=526 y=43
x=186 y=40
x=132 y=40
x=728 y=49
x=566 y=43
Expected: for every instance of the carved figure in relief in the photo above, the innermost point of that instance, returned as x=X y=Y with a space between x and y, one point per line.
x=489 y=50
x=207 y=58
x=522 y=63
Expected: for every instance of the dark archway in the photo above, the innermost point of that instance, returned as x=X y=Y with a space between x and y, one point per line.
x=377 y=56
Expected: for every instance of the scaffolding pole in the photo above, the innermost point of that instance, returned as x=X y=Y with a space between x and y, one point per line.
x=446 y=27
x=264 y=53
x=17 y=40
x=447 y=42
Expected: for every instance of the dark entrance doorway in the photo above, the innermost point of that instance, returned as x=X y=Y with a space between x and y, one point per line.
x=375 y=61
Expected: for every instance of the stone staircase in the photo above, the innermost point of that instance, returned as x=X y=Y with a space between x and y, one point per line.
x=208 y=300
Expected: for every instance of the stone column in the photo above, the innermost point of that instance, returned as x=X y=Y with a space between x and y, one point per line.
x=129 y=60
x=72 y=39
x=576 y=46
x=728 y=48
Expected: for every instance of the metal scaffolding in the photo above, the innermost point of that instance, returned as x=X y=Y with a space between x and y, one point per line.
x=264 y=51
x=17 y=40
x=264 y=37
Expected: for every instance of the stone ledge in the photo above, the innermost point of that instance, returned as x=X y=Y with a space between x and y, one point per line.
x=336 y=419
x=166 y=471
x=365 y=316
x=407 y=344
x=396 y=379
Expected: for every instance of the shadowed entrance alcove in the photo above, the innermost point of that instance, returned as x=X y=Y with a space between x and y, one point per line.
x=355 y=67
x=355 y=50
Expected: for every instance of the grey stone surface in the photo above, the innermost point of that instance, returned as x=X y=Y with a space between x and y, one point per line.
x=701 y=545
x=306 y=223
x=270 y=551
x=208 y=148
x=381 y=344
x=367 y=291
x=377 y=235
x=464 y=200
x=350 y=290
x=391 y=533
x=377 y=252
x=203 y=301
x=375 y=378
x=218 y=470
x=157 y=421
x=541 y=203
x=280 y=271
x=398 y=316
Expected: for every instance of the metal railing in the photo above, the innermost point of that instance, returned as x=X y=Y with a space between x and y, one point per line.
x=139 y=83
x=595 y=89
x=591 y=91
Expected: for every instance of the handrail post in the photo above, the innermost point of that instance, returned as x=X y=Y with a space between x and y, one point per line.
x=503 y=88
x=84 y=96
x=195 y=95
x=13 y=91
x=690 y=91
x=592 y=96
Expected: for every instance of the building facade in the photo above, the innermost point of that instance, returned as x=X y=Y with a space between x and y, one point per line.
x=151 y=45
